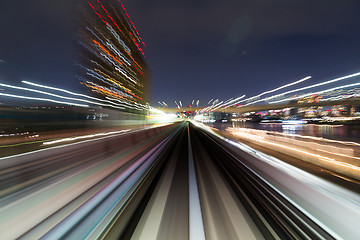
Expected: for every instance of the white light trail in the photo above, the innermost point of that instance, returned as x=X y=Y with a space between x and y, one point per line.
x=228 y=100
x=273 y=90
x=276 y=89
x=69 y=92
x=84 y=137
x=46 y=93
x=315 y=85
x=232 y=101
x=124 y=73
x=177 y=105
x=213 y=107
x=130 y=105
x=319 y=92
x=216 y=106
x=42 y=99
x=60 y=89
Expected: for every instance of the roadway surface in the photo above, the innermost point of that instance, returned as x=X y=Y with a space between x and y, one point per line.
x=175 y=182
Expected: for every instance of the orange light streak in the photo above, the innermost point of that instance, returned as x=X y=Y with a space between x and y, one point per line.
x=132 y=58
x=107 y=52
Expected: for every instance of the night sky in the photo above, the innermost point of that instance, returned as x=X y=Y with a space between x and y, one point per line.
x=199 y=49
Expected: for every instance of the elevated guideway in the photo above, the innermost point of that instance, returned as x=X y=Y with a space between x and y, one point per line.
x=180 y=181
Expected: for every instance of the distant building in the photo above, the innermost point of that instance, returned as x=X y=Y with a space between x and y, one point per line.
x=110 y=61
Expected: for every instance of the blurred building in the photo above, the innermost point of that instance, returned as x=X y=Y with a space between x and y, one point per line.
x=110 y=61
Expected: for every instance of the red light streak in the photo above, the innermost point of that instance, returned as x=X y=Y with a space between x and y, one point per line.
x=132 y=23
x=98 y=14
x=107 y=13
x=137 y=45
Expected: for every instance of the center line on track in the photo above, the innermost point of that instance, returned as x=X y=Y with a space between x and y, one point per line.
x=196 y=226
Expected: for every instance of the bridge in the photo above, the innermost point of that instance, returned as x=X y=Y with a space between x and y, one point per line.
x=266 y=107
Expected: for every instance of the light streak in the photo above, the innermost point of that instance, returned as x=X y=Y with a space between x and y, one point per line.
x=276 y=89
x=84 y=137
x=107 y=77
x=316 y=156
x=98 y=14
x=232 y=101
x=104 y=90
x=107 y=52
x=95 y=35
x=42 y=99
x=130 y=104
x=270 y=91
x=337 y=98
x=177 y=105
x=119 y=54
x=137 y=45
x=132 y=23
x=107 y=13
x=46 y=93
x=228 y=100
x=132 y=59
x=216 y=106
x=301 y=136
x=127 y=50
x=213 y=107
x=210 y=101
x=23 y=143
x=319 y=92
x=122 y=43
x=339 y=154
x=316 y=85
x=107 y=58
x=60 y=96
x=61 y=90
x=124 y=73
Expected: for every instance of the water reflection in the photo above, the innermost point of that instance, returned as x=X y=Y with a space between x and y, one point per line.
x=291 y=128
x=336 y=132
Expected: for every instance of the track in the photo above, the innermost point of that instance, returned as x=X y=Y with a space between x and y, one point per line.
x=182 y=182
